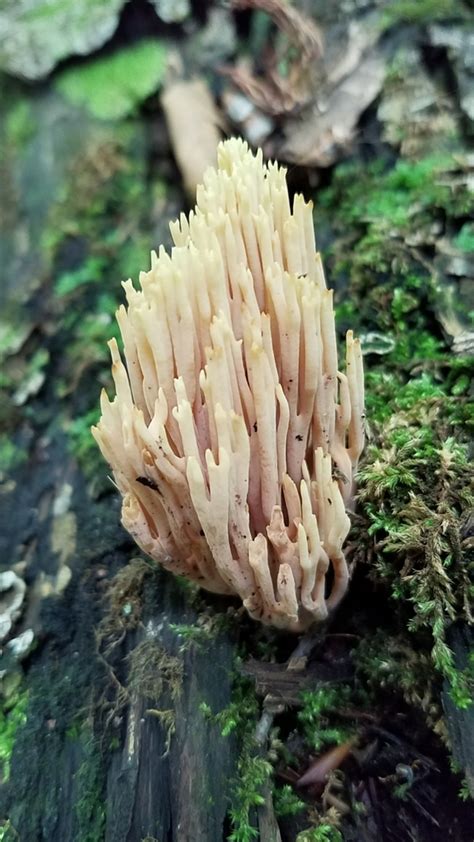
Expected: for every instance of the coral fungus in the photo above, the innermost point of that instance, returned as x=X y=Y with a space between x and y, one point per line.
x=231 y=420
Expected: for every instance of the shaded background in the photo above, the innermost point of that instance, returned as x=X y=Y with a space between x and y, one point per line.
x=129 y=701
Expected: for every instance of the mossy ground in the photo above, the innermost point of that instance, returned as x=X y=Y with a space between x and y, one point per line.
x=12 y=717
x=411 y=538
x=54 y=359
x=416 y=481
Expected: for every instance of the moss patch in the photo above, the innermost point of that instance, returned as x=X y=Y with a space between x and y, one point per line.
x=20 y=123
x=112 y=86
x=153 y=670
x=416 y=491
x=382 y=255
x=157 y=676
x=89 y=242
x=416 y=483
x=13 y=715
x=420 y=11
x=90 y=807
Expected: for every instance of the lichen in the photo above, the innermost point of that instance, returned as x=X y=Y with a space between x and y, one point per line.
x=464 y=239
x=35 y=36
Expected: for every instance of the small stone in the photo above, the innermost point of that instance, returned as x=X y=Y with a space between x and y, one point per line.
x=172 y=11
x=22 y=645
x=62 y=500
x=12 y=594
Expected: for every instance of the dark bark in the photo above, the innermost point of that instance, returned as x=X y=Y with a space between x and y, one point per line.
x=113 y=751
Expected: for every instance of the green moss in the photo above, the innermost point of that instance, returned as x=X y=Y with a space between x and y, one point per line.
x=242 y=709
x=420 y=11
x=82 y=443
x=462 y=688
x=465 y=793
x=387 y=393
x=318 y=714
x=193 y=637
x=11 y=454
x=375 y=257
x=387 y=197
x=155 y=674
x=323 y=833
x=209 y=625
x=8 y=832
x=254 y=768
x=253 y=773
x=286 y=801
x=90 y=806
x=89 y=340
x=134 y=256
x=61 y=691
x=415 y=478
x=20 y=123
x=13 y=715
x=90 y=272
x=415 y=492
x=125 y=599
x=112 y=86
x=389 y=663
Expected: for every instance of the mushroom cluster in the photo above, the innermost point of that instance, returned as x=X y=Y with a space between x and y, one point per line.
x=233 y=437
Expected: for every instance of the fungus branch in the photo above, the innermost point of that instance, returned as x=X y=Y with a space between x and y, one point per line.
x=231 y=418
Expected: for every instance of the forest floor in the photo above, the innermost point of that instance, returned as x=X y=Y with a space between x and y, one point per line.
x=134 y=707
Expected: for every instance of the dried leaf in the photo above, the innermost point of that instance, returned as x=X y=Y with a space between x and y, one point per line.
x=320 y=96
x=319 y=770
x=318 y=137
x=301 y=30
x=193 y=124
x=270 y=91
